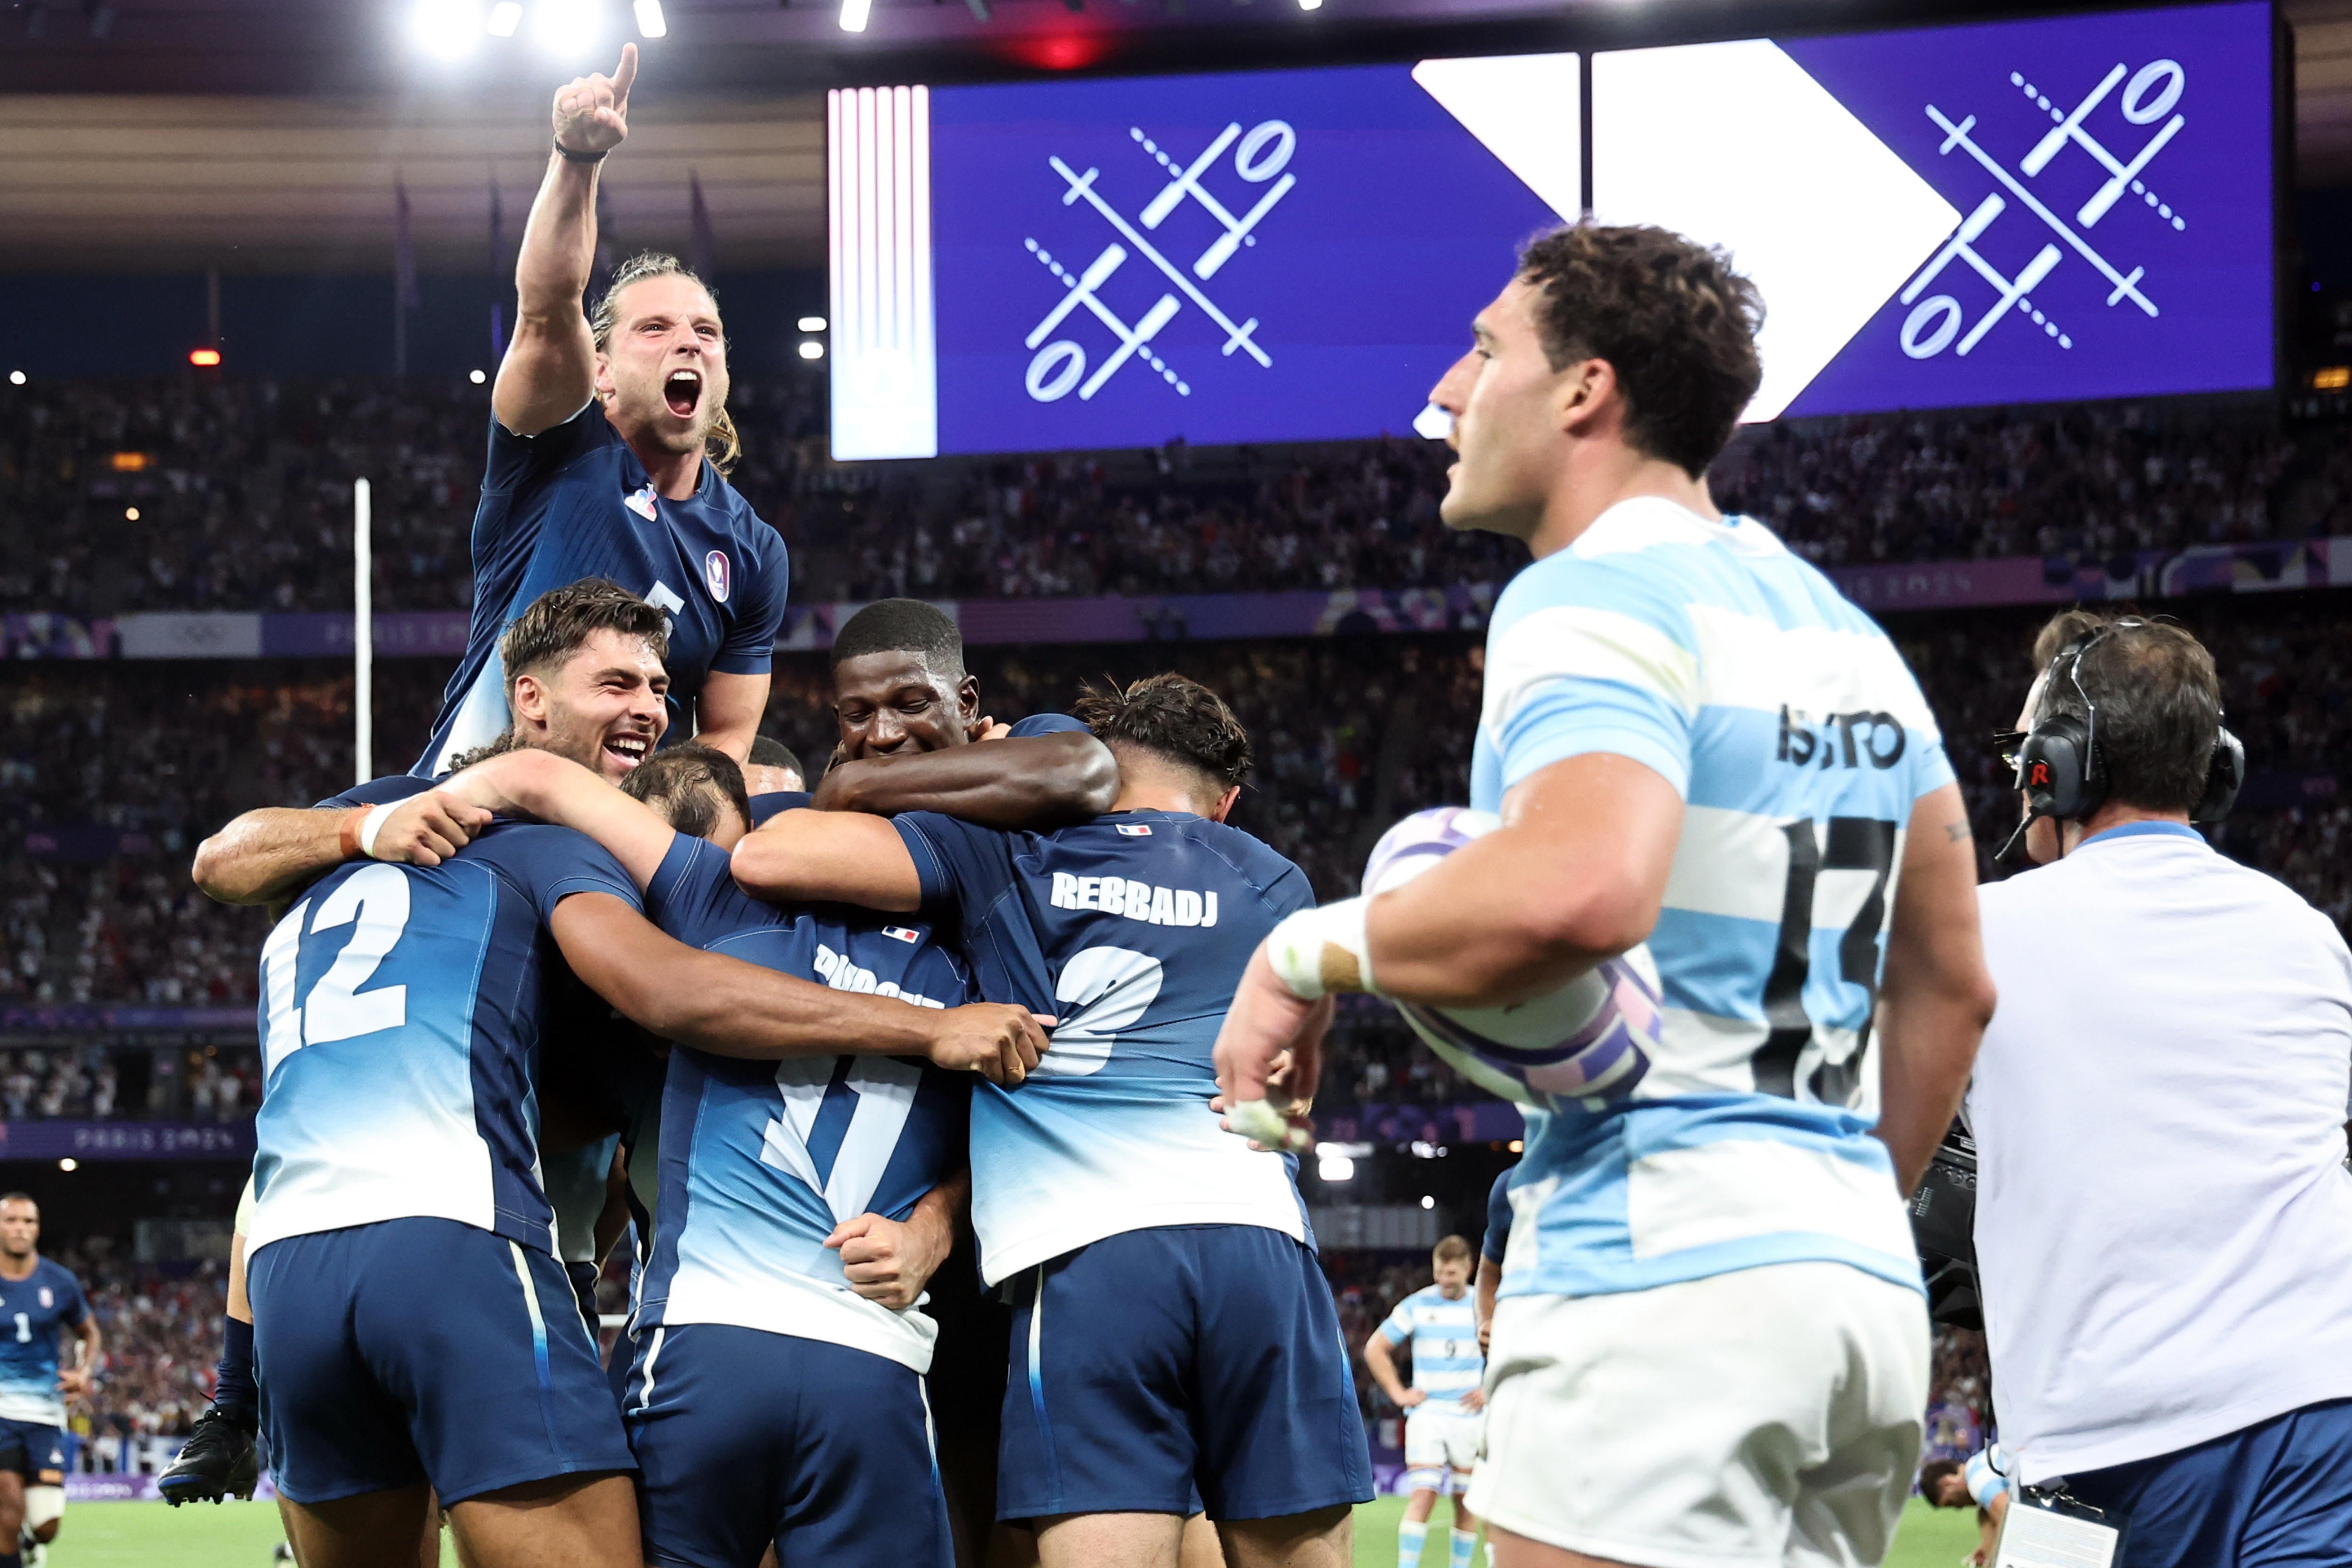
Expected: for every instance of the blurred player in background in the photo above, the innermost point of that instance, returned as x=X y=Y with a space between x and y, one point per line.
x=609 y=447
x=1694 y=741
x=39 y=1300
x=1172 y=1327
x=1438 y=1325
x=1982 y=1482
x=1492 y=1248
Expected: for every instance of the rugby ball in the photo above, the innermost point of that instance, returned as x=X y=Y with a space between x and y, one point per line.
x=1592 y=1039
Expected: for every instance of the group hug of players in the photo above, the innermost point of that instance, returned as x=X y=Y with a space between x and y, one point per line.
x=573 y=977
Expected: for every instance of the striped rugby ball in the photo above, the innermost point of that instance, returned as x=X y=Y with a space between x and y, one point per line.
x=1592 y=1039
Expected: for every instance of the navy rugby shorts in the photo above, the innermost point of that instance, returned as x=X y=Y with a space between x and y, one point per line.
x=747 y=1437
x=423 y=1349
x=1151 y=1361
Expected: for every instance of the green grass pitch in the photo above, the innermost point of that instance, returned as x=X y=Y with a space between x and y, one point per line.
x=240 y=1534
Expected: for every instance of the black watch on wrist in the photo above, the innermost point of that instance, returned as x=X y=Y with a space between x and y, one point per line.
x=571 y=156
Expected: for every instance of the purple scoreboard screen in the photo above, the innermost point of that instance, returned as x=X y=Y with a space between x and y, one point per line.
x=2033 y=211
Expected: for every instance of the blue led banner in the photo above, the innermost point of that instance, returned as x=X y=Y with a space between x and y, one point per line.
x=2069 y=207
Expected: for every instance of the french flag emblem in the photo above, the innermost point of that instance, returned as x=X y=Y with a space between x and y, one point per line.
x=901 y=933
x=641 y=502
x=718 y=575
x=1136 y=829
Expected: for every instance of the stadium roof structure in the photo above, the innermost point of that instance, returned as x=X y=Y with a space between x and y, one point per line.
x=266 y=135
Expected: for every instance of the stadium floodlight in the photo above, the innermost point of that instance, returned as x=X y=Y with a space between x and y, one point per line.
x=445 y=29
x=70 y=1164
x=651 y=23
x=15 y=378
x=504 y=17
x=812 y=324
x=854 y=13
x=811 y=349
x=1427 y=1202
x=568 y=29
x=477 y=377
x=130 y=514
x=1310 y=5
x=204 y=359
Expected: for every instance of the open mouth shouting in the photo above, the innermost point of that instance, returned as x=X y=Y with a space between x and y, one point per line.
x=628 y=750
x=682 y=392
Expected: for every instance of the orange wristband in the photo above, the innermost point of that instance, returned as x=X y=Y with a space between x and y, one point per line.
x=349 y=833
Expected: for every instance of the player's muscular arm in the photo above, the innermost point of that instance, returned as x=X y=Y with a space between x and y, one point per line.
x=1937 y=995
x=1380 y=1362
x=729 y=1007
x=556 y=789
x=838 y=857
x=271 y=853
x=726 y=713
x=550 y=371
x=890 y=1260
x=1033 y=782
x=1576 y=874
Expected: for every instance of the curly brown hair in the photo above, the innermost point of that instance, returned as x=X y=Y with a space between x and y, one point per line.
x=558 y=623
x=1174 y=716
x=1669 y=316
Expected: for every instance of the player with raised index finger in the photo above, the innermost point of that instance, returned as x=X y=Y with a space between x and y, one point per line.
x=609 y=447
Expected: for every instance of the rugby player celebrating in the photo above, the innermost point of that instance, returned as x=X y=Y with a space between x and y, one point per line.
x=608 y=456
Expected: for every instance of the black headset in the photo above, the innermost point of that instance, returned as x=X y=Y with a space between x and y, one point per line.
x=2063 y=774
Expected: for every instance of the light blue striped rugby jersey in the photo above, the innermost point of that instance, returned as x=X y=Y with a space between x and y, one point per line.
x=1986 y=1474
x=1446 y=1361
x=1798 y=741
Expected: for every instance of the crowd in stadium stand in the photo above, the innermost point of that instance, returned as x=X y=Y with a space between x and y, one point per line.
x=161 y=1335
x=241 y=495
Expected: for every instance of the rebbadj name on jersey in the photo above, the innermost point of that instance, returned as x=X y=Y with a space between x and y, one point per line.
x=1136 y=901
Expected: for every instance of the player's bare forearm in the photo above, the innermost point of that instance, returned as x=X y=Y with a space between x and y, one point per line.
x=549 y=369
x=1937 y=995
x=268 y=853
x=727 y=1008
x=842 y=857
x=1576 y=874
x=558 y=790
x=1381 y=1365
x=1490 y=1283
x=1034 y=782
x=727 y=712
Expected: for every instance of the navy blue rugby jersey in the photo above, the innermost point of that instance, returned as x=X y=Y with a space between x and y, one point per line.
x=573 y=501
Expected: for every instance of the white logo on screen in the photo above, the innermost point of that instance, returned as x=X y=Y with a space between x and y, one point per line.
x=2149 y=96
x=1060 y=365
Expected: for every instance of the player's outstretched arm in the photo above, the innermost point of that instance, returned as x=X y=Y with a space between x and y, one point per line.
x=274 y=852
x=890 y=1261
x=550 y=371
x=831 y=856
x=540 y=784
x=1937 y=995
x=724 y=1005
x=1033 y=782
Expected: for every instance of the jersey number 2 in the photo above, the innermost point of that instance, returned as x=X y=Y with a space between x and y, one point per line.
x=1109 y=987
x=373 y=901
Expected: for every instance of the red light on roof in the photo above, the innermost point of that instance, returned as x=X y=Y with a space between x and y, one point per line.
x=205 y=357
x=1063 y=52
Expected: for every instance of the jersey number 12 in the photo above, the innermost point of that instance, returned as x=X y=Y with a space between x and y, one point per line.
x=373 y=901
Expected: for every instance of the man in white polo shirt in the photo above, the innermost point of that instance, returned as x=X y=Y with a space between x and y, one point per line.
x=2164 y=1219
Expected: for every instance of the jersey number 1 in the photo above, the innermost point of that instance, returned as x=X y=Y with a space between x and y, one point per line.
x=373 y=901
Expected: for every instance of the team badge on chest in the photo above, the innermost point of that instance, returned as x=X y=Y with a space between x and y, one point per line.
x=641 y=502
x=718 y=575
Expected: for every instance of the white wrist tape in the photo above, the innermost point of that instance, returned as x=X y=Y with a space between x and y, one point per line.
x=1300 y=949
x=372 y=824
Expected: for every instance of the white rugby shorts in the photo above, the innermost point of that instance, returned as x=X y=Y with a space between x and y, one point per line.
x=1766 y=1418
x=1439 y=1438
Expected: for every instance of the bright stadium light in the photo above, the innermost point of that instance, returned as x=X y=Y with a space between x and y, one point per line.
x=651 y=23
x=1310 y=5
x=812 y=324
x=445 y=29
x=504 y=17
x=15 y=378
x=1336 y=1168
x=70 y=1164
x=1427 y=1202
x=130 y=514
x=477 y=377
x=854 y=13
x=811 y=349
x=568 y=29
